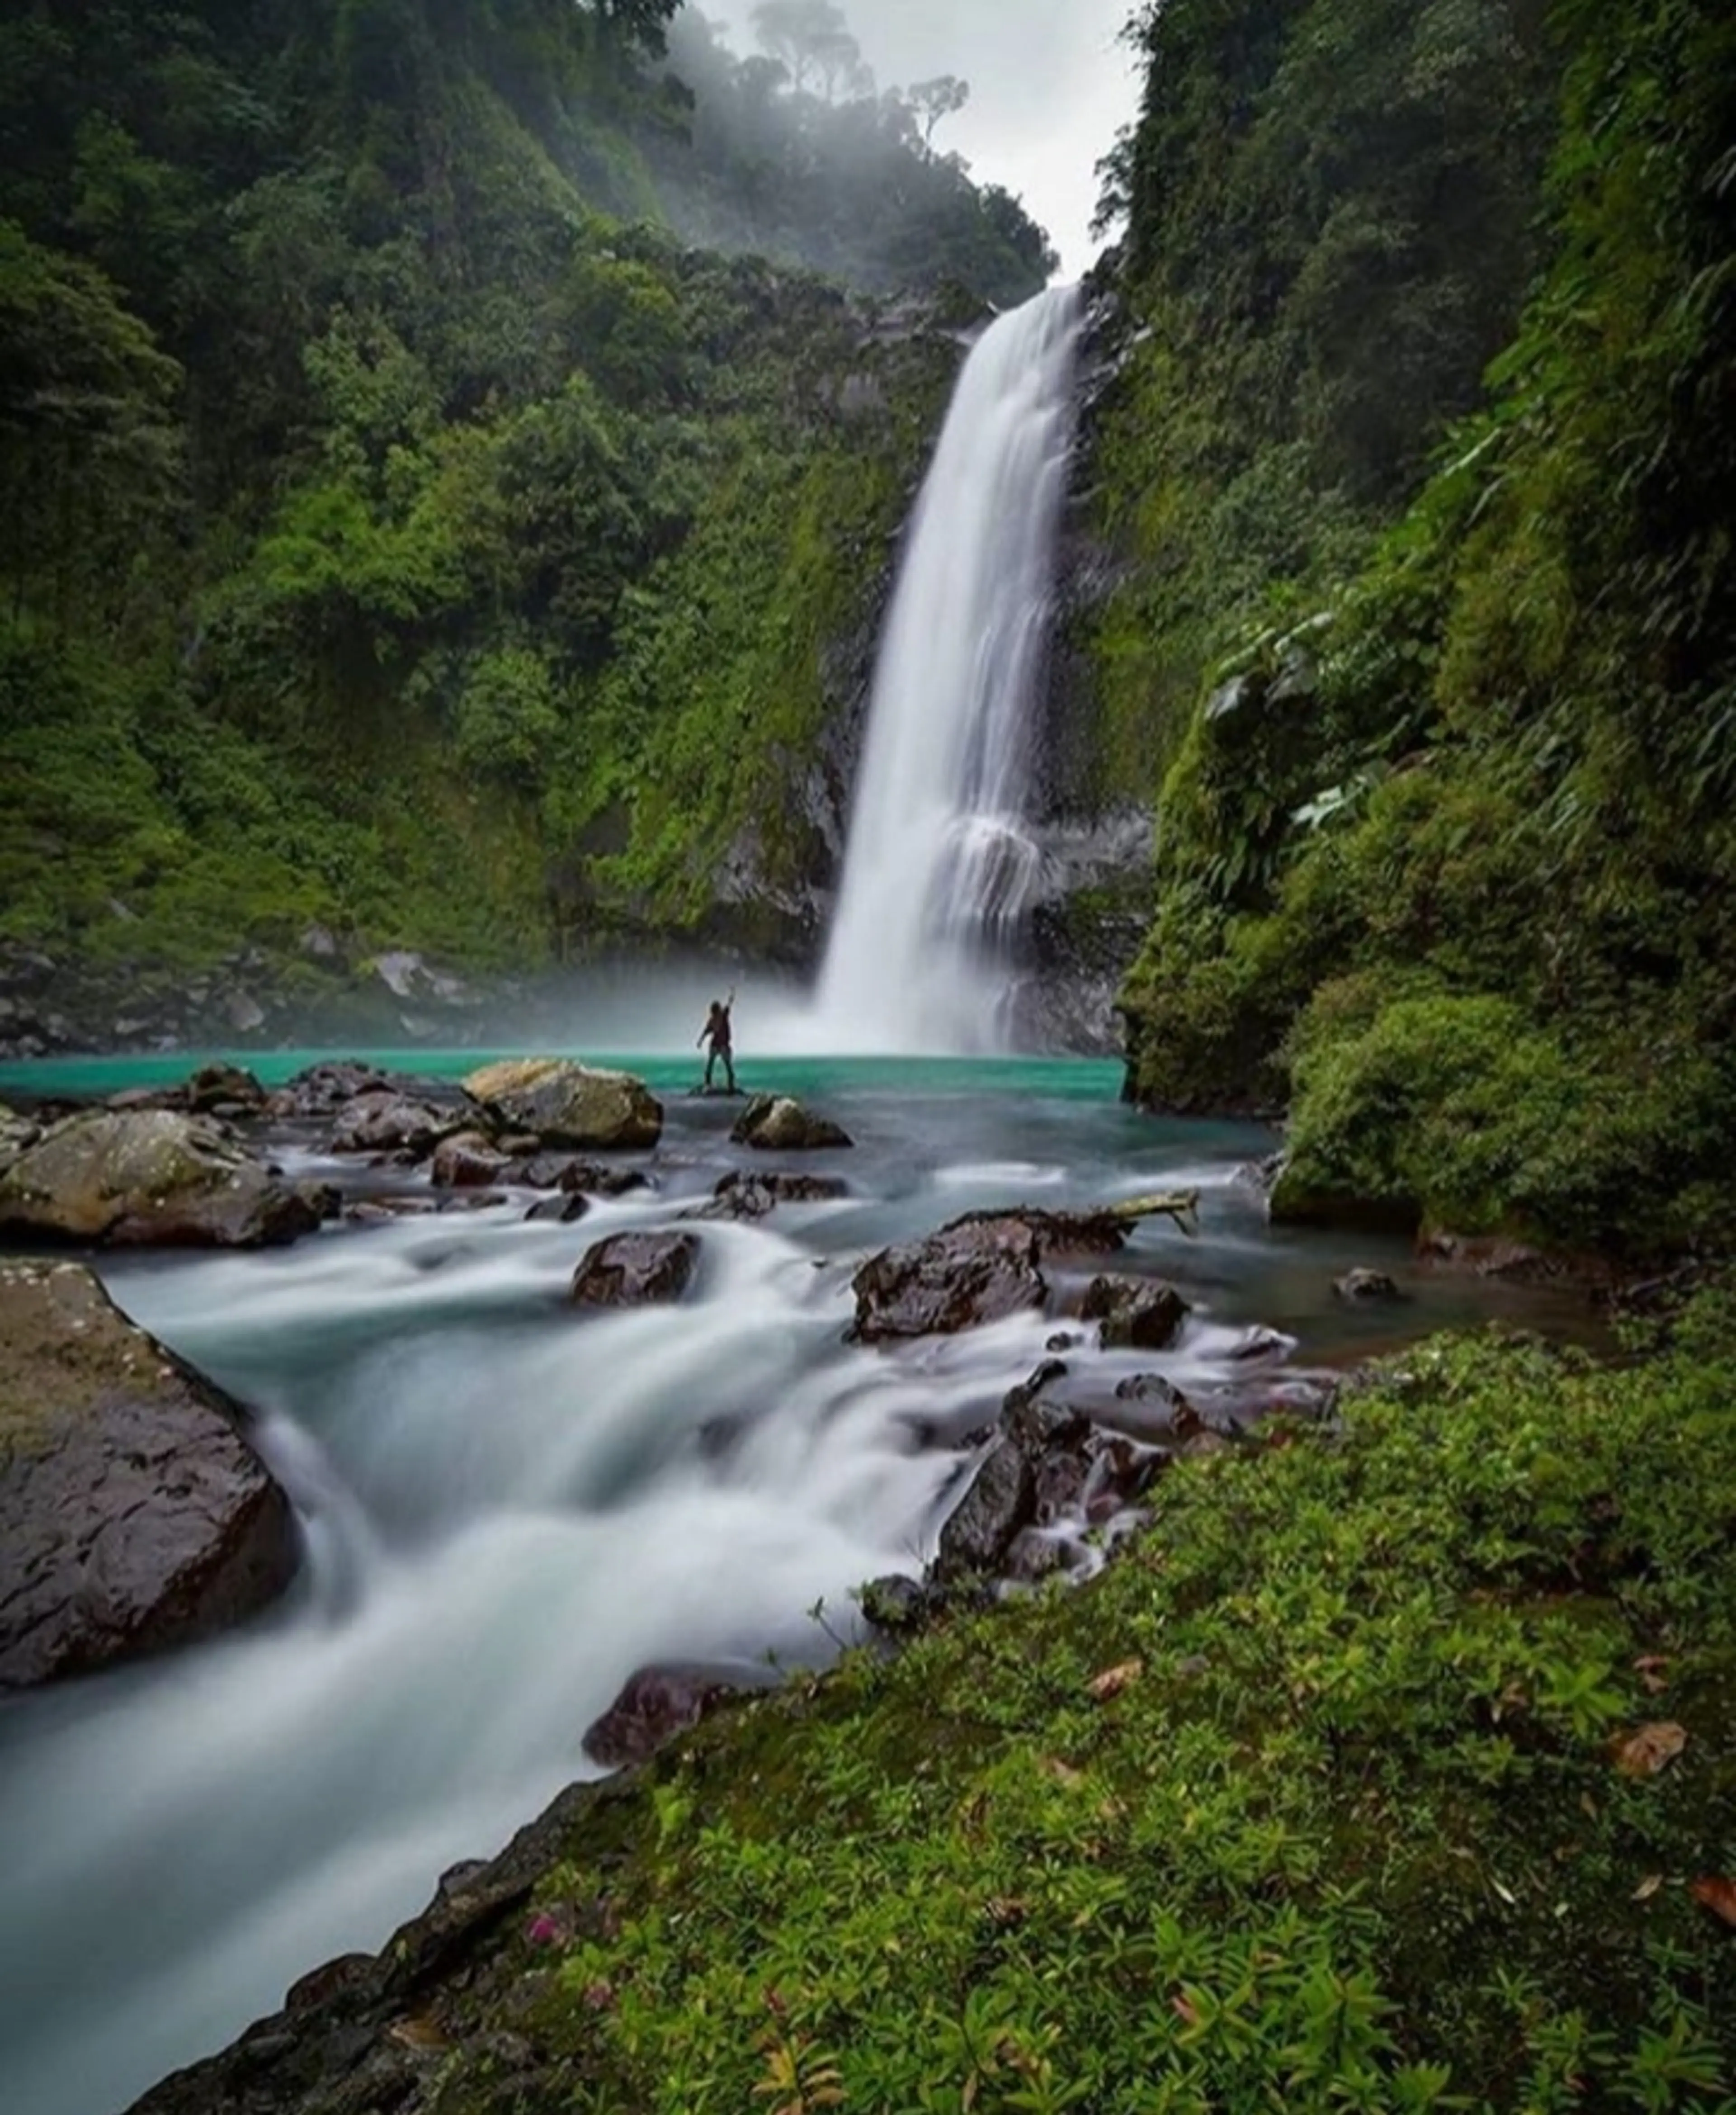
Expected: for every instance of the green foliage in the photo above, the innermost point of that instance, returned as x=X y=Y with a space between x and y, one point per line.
x=1487 y=845
x=389 y=494
x=1350 y=1834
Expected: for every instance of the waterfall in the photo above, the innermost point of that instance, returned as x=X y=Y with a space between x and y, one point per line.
x=940 y=868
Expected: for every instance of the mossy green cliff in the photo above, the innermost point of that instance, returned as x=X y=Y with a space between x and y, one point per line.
x=1419 y=469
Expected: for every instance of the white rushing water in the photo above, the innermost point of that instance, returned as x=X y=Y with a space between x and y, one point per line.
x=940 y=866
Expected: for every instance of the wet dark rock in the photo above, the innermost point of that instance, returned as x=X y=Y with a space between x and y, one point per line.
x=528 y=1169
x=1160 y=1401
x=387 y=1211
x=1032 y=1558
x=636 y=1270
x=749 y=1196
x=151 y=1177
x=1058 y=1478
x=1514 y=1262
x=324 y=2058
x=897 y=1605
x=980 y=1268
x=1260 y=1343
x=657 y=1703
x=383 y=1120
x=466 y=1161
x=559 y=1210
x=562 y=1103
x=1137 y=1314
x=999 y=1500
x=218 y=1089
x=976 y=1271
x=323 y=1090
x=1036 y=1426
x=17 y=1132
x=592 y=1180
x=1361 y=1286
x=1155 y=1392
x=1064 y=1340
x=134 y=1517
x=1120 y=1475
x=774 y=1123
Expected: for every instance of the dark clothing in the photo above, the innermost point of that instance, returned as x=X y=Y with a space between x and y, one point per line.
x=716 y=1034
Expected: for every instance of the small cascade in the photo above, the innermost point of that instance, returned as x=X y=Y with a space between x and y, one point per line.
x=941 y=868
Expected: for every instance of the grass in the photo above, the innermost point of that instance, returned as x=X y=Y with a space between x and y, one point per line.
x=1312 y=1802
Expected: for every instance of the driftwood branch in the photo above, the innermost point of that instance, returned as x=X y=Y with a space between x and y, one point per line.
x=1181 y=1205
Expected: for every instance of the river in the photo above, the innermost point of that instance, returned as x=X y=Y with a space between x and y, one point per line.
x=507 y=1508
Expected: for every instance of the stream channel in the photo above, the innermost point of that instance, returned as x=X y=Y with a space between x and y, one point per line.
x=508 y=1508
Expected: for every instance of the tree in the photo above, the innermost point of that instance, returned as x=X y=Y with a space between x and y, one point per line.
x=810 y=36
x=90 y=441
x=932 y=100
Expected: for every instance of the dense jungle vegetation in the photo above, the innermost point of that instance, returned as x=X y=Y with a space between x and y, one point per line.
x=407 y=536
x=1426 y=459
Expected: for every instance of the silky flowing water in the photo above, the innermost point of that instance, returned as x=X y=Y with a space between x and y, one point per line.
x=941 y=869
x=508 y=1508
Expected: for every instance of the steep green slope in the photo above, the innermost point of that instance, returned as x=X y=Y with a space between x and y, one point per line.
x=1444 y=851
x=407 y=538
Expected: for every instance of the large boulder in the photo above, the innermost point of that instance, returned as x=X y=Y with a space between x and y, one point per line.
x=564 y=1104
x=980 y=1268
x=774 y=1123
x=151 y=1177
x=134 y=1517
x=636 y=1270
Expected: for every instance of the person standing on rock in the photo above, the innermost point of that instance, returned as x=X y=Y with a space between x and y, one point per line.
x=716 y=1033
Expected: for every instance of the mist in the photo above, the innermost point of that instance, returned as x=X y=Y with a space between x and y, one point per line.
x=1050 y=86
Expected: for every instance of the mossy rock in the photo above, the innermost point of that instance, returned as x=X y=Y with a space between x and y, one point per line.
x=567 y=1104
x=140 y=1177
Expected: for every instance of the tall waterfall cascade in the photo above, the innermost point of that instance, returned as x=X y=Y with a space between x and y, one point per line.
x=941 y=868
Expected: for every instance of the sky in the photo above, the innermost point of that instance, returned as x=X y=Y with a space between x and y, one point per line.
x=1050 y=86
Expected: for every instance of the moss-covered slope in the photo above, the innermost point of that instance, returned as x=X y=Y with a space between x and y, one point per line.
x=1445 y=851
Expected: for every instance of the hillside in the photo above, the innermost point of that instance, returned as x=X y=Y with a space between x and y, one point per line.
x=1419 y=472
x=410 y=542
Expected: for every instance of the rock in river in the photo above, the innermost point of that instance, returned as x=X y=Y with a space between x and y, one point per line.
x=565 y=1104
x=150 y=1176
x=977 y=1270
x=980 y=1268
x=773 y=1123
x=382 y=1120
x=636 y=1270
x=1135 y=1312
x=133 y=1514
x=466 y=1162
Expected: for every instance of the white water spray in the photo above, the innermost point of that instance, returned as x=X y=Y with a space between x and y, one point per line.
x=941 y=868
